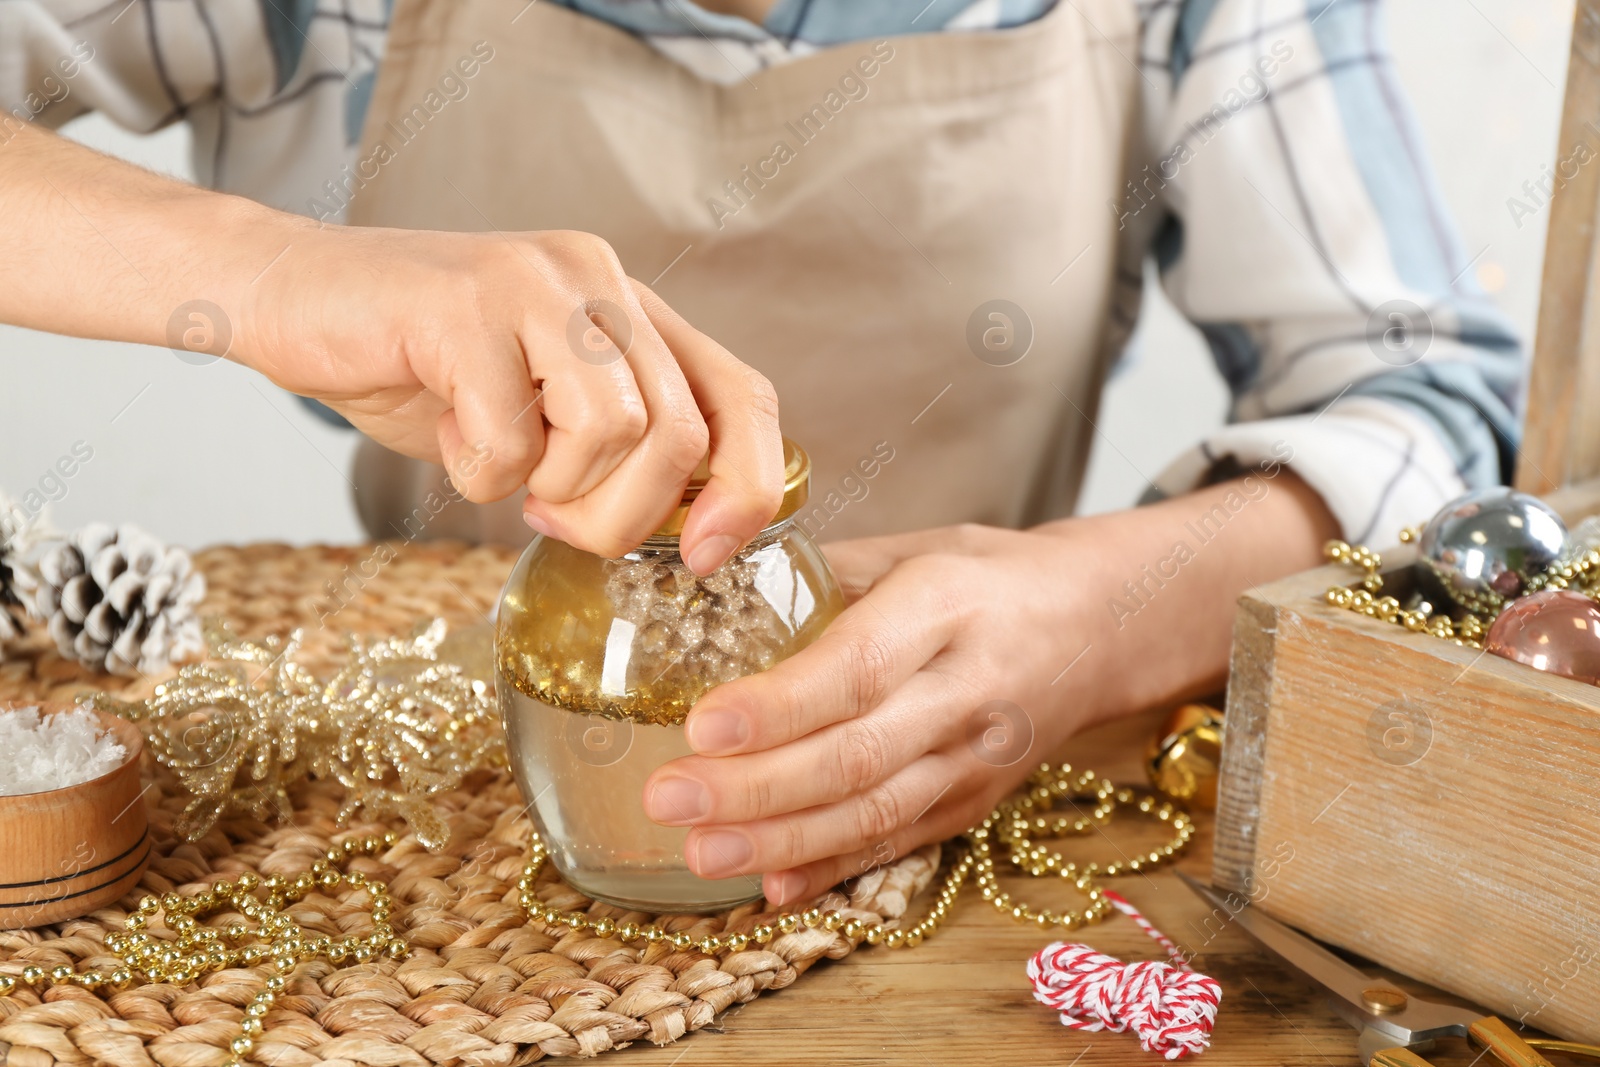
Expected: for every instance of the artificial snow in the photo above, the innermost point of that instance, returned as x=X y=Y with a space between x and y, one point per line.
x=40 y=752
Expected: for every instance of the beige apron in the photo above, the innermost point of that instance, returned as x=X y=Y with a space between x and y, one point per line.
x=843 y=233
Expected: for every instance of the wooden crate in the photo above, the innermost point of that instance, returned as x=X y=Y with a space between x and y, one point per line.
x=1431 y=807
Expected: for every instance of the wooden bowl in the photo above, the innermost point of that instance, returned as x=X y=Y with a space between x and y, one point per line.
x=65 y=852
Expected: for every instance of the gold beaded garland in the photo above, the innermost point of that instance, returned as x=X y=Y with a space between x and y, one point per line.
x=1014 y=826
x=197 y=950
x=1581 y=574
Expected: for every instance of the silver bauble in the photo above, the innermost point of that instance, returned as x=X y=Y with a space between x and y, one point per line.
x=1481 y=549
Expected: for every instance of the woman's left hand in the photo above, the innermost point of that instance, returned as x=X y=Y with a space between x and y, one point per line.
x=929 y=698
x=968 y=656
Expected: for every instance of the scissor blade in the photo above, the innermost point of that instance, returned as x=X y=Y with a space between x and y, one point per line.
x=1419 y=1020
x=1299 y=951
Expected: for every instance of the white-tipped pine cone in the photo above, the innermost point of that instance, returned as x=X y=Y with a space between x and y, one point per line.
x=13 y=542
x=116 y=600
x=10 y=605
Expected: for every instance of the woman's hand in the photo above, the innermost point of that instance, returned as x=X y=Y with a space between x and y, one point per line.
x=969 y=657
x=925 y=702
x=525 y=360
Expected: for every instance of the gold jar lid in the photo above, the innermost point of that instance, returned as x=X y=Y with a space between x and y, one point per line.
x=796 y=489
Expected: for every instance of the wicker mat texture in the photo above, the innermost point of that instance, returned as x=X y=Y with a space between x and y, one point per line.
x=483 y=986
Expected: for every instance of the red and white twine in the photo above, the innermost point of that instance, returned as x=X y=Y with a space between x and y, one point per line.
x=1169 y=1006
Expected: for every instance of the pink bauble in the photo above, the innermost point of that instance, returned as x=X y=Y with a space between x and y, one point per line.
x=1554 y=630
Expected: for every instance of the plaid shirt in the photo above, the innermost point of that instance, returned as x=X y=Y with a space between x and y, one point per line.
x=1280 y=186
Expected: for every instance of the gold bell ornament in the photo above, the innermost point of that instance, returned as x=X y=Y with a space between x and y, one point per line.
x=1184 y=756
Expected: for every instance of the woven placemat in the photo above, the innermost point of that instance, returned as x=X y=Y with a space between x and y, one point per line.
x=483 y=986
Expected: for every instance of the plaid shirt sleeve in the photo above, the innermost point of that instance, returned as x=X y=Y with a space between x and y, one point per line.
x=274 y=90
x=1296 y=222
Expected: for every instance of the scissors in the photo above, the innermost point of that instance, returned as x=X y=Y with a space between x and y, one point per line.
x=1392 y=1022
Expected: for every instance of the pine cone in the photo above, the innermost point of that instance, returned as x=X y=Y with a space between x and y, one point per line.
x=10 y=604
x=116 y=599
x=13 y=542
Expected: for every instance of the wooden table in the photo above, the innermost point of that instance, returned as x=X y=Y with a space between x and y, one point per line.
x=961 y=998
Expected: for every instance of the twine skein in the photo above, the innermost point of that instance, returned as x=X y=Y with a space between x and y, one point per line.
x=1170 y=1007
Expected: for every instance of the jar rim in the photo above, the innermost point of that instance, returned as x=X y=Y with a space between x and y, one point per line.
x=796 y=491
x=669 y=542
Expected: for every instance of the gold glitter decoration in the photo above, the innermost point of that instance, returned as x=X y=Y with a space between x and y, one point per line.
x=396 y=725
x=1580 y=573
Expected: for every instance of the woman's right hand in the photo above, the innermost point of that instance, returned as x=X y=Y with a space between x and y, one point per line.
x=517 y=360
x=524 y=360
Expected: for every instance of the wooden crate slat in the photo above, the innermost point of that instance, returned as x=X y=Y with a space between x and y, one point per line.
x=1561 y=435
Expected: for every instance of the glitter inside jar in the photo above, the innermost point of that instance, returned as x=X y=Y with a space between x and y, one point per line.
x=599 y=662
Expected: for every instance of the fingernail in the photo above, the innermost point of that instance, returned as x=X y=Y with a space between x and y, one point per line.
x=720 y=853
x=675 y=801
x=538 y=525
x=711 y=553
x=784 y=887
x=713 y=731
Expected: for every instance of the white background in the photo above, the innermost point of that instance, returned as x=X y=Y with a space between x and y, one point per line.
x=201 y=455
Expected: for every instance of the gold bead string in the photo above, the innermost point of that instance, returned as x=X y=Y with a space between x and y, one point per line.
x=1014 y=826
x=1366 y=600
x=1581 y=574
x=280 y=942
x=1025 y=822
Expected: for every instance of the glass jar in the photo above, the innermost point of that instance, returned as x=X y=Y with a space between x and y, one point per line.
x=597 y=663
